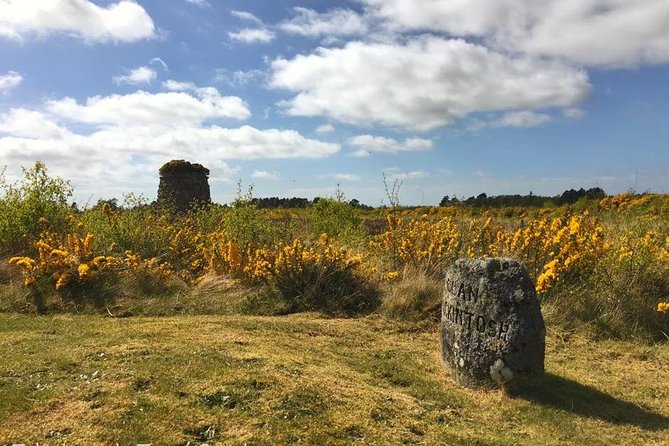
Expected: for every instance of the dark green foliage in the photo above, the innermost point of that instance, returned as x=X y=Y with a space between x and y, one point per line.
x=22 y=205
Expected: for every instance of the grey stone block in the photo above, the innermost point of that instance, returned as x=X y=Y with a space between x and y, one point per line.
x=492 y=330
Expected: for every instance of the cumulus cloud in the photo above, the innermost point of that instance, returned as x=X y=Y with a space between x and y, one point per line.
x=141 y=75
x=590 y=32
x=422 y=84
x=123 y=21
x=173 y=85
x=132 y=135
x=325 y=128
x=247 y=16
x=265 y=175
x=337 y=22
x=9 y=81
x=368 y=143
x=523 y=118
x=21 y=122
x=142 y=108
x=252 y=35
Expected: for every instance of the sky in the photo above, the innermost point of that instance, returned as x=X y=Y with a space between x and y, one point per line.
x=296 y=97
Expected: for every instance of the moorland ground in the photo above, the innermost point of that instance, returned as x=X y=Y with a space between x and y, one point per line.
x=305 y=379
x=128 y=324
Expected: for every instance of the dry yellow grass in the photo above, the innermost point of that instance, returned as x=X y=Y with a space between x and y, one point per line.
x=88 y=380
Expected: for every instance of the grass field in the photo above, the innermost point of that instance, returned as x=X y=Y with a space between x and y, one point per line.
x=87 y=380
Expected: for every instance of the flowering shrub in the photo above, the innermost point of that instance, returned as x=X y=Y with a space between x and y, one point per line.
x=70 y=263
x=308 y=276
x=421 y=243
x=572 y=247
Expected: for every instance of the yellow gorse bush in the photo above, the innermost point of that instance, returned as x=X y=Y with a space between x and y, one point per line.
x=569 y=245
x=419 y=242
x=308 y=275
x=65 y=262
x=73 y=261
x=550 y=248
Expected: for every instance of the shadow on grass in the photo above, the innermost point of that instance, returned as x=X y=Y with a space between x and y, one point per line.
x=571 y=396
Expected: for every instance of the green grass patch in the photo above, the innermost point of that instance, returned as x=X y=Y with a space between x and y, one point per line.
x=306 y=379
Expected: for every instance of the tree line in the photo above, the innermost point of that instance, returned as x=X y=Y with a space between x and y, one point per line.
x=530 y=200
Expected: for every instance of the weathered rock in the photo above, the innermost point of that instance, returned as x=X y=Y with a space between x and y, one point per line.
x=183 y=185
x=492 y=330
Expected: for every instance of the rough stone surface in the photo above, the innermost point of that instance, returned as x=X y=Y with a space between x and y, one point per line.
x=492 y=330
x=182 y=185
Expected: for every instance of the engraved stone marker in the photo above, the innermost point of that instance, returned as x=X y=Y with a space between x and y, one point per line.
x=492 y=331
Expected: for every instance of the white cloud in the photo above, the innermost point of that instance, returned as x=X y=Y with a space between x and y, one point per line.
x=253 y=35
x=247 y=16
x=142 y=108
x=265 y=175
x=325 y=128
x=9 y=81
x=422 y=84
x=395 y=174
x=368 y=143
x=344 y=177
x=107 y=143
x=524 y=118
x=308 y=22
x=590 y=32
x=199 y=2
x=20 y=122
x=239 y=77
x=141 y=75
x=173 y=85
x=573 y=113
x=159 y=61
x=123 y=21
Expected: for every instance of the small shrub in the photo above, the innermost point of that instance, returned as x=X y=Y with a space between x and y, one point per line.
x=125 y=228
x=316 y=277
x=72 y=268
x=29 y=206
x=338 y=219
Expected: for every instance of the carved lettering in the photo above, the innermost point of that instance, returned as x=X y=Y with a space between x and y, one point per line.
x=469 y=319
x=492 y=328
x=480 y=324
x=472 y=321
x=461 y=292
x=503 y=330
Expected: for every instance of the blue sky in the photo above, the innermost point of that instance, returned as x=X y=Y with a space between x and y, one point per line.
x=451 y=97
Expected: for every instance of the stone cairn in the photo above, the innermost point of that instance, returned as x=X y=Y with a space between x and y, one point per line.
x=492 y=330
x=183 y=185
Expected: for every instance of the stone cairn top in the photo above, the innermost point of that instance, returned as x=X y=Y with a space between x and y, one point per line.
x=183 y=185
x=492 y=330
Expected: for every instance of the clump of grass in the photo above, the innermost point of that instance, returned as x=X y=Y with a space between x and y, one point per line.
x=416 y=297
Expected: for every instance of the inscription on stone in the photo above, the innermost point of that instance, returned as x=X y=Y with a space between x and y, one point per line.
x=492 y=331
